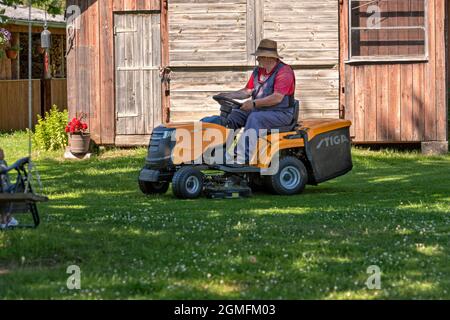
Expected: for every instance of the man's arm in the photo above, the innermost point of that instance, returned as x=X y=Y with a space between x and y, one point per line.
x=269 y=101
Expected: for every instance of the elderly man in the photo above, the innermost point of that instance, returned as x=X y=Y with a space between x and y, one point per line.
x=271 y=88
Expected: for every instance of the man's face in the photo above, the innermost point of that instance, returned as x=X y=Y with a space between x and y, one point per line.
x=265 y=62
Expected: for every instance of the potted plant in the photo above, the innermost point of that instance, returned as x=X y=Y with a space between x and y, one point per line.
x=5 y=38
x=79 y=138
x=12 y=52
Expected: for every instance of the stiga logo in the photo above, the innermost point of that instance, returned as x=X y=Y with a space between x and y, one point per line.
x=332 y=141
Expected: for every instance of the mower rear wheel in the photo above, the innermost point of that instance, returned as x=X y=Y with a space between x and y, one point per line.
x=291 y=177
x=153 y=187
x=187 y=183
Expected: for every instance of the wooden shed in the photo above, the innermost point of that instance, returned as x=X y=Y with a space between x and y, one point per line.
x=378 y=63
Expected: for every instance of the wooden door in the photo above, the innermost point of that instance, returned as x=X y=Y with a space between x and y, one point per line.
x=137 y=41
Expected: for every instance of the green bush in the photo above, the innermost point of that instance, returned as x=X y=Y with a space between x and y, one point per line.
x=50 y=132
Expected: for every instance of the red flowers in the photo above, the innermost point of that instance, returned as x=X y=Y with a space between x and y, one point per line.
x=77 y=125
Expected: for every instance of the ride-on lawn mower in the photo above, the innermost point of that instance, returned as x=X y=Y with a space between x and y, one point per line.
x=185 y=154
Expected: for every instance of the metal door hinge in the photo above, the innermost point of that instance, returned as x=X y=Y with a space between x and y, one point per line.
x=165 y=74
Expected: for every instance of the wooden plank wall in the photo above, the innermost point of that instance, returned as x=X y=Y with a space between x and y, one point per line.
x=307 y=31
x=208 y=54
x=82 y=62
x=308 y=34
x=398 y=102
x=14 y=105
x=208 y=33
x=192 y=89
x=211 y=41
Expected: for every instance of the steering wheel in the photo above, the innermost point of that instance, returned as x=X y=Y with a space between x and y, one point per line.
x=220 y=98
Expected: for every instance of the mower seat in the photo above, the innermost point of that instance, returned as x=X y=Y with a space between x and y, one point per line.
x=294 y=122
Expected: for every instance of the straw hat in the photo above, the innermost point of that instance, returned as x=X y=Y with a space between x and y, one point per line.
x=267 y=48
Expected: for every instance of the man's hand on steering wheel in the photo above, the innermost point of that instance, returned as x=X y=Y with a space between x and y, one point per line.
x=247 y=106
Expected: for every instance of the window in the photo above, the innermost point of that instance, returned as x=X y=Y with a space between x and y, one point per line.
x=388 y=30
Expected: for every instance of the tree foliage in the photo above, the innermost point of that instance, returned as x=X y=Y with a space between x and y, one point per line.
x=52 y=6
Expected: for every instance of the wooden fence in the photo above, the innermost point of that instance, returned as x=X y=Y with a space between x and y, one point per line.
x=14 y=102
x=54 y=92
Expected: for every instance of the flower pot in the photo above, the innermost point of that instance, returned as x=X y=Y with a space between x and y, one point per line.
x=12 y=54
x=79 y=143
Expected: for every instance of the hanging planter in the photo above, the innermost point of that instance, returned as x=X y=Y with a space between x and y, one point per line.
x=12 y=53
x=5 y=38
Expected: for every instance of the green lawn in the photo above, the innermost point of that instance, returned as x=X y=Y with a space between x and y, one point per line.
x=392 y=210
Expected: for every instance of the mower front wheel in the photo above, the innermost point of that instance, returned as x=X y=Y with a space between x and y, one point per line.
x=187 y=183
x=153 y=187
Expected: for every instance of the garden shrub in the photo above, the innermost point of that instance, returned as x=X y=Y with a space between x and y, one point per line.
x=50 y=132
